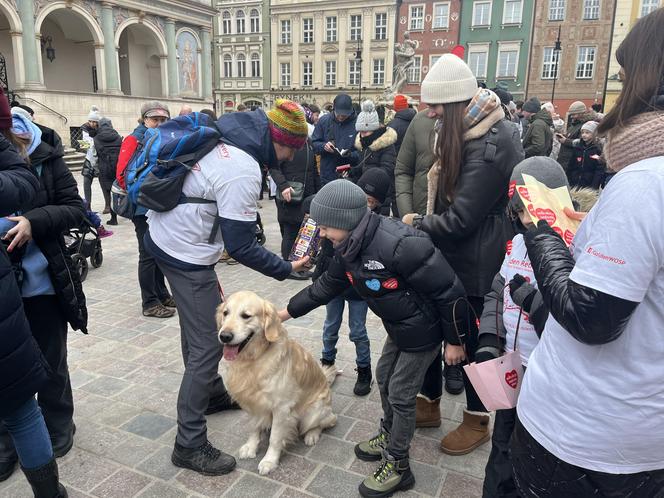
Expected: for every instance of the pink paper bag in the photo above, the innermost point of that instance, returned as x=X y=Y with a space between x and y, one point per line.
x=497 y=382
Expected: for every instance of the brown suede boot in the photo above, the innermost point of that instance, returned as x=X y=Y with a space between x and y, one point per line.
x=427 y=412
x=471 y=433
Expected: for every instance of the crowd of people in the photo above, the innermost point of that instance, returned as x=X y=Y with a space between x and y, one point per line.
x=422 y=221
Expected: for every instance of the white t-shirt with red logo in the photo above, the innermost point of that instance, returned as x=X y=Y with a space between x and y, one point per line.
x=517 y=261
x=601 y=407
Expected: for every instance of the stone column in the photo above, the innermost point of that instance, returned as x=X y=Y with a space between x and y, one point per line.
x=207 y=62
x=173 y=90
x=26 y=12
x=110 y=52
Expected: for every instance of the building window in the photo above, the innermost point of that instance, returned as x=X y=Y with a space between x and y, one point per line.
x=415 y=71
x=432 y=60
x=556 y=10
x=512 y=12
x=356 y=28
x=255 y=65
x=416 y=22
x=285 y=74
x=477 y=60
x=508 y=61
x=308 y=30
x=255 y=21
x=330 y=73
x=228 y=66
x=354 y=72
x=330 y=29
x=481 y=13
x=648 y=6
x=549 y=69
x=379 y=71
x=239 y=21
x=381 y=27
x=591 y=9
x=307 y=73
x=285 y=32
x=241 y=65
x=585 y=65
x=226 y=23
x=441 y=15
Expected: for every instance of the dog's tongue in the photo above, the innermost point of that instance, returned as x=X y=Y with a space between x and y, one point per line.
x=231 y=352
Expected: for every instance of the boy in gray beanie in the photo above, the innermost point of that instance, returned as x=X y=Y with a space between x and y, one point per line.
x=407 y=282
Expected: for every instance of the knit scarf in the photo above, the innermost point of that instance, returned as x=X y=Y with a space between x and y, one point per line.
x=640 y=139
x=482 y=113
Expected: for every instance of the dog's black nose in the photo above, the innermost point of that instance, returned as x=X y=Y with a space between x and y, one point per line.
x=225 y=337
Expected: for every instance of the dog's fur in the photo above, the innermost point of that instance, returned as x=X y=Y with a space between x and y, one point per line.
x=273 y=378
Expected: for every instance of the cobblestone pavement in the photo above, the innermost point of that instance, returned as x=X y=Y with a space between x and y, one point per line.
x=126 y=375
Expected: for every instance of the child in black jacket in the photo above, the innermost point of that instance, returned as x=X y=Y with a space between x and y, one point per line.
x=406 y=282
x=586 y=168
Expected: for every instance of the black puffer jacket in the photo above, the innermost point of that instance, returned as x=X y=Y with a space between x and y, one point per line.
x=472 y=230
x=107 y=144
x=301 y=169
x=573 y=132
x=377 y=151
x=585 y=168
x=400 y=124
x=403 y=278
x=22 y=367
x=56 y=209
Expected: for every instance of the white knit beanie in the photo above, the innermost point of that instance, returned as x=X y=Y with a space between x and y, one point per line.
x=449 y=80
x=94 y=114
x=367 y=120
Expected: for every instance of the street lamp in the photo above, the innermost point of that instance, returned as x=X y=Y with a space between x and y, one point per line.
x=358 y=58
x=556 y=55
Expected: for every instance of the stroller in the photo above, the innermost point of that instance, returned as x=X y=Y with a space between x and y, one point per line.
x=83 y=243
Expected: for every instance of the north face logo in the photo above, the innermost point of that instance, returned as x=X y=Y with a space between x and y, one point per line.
x=374 y=265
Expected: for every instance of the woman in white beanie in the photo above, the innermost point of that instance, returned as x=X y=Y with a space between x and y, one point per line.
x=375 y=144
x=90 y=170
x=476 y=150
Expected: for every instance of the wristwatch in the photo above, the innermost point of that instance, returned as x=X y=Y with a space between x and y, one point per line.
x=417 y=221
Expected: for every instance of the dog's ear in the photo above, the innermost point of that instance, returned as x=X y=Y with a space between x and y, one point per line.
x=220 y=315
x=271 y=322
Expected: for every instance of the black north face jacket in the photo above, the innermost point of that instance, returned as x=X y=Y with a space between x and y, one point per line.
x=404 y=279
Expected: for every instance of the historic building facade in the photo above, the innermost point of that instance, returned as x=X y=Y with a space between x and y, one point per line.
x=64 y=56
x=320 y=49
x=581 y=64
x=241 y=53
x=434 y=26
x=496 y=35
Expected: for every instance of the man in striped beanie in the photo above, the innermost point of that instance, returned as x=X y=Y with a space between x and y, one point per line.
x=288 y=128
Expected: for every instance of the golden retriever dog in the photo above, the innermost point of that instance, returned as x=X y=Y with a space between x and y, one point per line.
x=273 y=378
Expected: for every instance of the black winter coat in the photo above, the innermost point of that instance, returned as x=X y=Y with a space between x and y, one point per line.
x=573 y=133
x=582 y=169
x=22 y=367
x=403 y=278
x=301 y=169
x=472 y=230
x=57 y=209
x=400 y=124
x=380 y=153
x=107 y=144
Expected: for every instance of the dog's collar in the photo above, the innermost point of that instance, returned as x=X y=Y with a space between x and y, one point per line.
x=245 y=342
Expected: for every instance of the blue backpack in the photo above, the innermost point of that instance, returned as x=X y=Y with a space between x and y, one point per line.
x=156 y=172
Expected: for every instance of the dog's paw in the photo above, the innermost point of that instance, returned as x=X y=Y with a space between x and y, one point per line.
x=266 y=466
x=311 y=437
x=247 y=451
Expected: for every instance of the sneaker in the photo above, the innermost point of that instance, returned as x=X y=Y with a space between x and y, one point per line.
x=299 y=275
x=112 y=222
x=206 y=459
x=159 y=311
x=453 y=379
x=7 y=468
x=61 y=446
x=390 y=476
x=103 y=233
x=372 y=450
x=169 y=302
x=221 y=403
x=364 y=381
x=326 y=363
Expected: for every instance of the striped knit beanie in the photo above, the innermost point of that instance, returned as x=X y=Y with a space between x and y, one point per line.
x=288 y=126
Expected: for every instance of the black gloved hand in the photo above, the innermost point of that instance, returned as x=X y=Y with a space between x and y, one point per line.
x=489 y=347
x=522 y=292
x=542 y=229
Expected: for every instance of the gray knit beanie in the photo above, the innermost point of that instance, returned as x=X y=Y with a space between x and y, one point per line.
x=543 y=169
x=339 y=204
x=367 y=120
x=533 y=105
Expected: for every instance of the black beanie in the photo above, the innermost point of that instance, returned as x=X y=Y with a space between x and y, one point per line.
x=376 y=183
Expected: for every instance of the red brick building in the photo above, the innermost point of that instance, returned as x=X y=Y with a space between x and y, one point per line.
x=435 y=26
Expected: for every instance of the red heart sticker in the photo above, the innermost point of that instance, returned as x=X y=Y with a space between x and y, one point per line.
x=523 y=192
x=391 y=284
x=350 y=278
x=547 y=215
x=510 y=192
x=512 y=379
x=569 y=237
x=508 y=248
x=531 y=210
x=558 y=231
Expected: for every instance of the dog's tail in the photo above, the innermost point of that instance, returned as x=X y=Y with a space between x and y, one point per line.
x=331 y=373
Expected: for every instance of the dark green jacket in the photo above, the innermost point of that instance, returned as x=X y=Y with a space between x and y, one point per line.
x=538 y=140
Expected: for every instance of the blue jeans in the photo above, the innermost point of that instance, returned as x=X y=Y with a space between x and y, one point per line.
x=357 y=318
x=28 y=430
